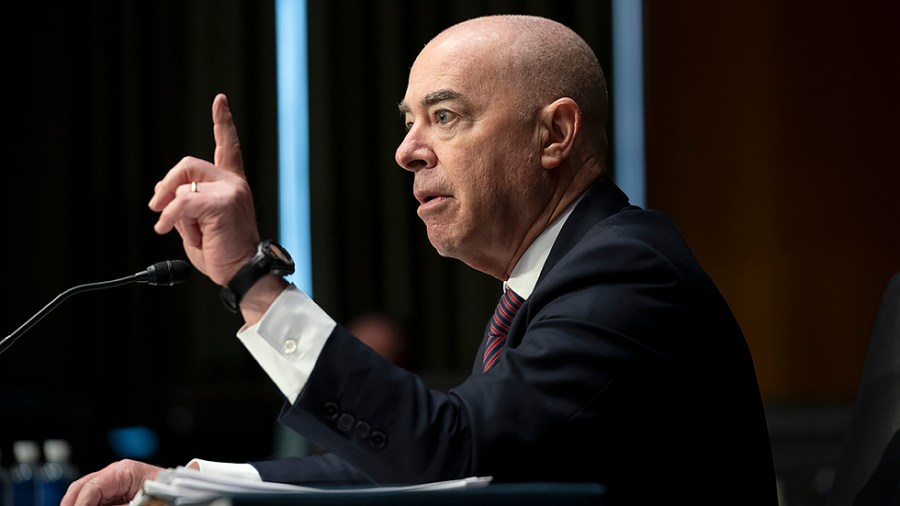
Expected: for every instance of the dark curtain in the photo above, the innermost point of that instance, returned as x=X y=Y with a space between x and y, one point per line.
x=100 y=100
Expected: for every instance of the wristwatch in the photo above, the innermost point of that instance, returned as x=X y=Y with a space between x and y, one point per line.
x=270 y=258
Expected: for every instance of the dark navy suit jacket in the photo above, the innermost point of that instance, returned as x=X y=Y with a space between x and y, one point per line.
x=625 y=367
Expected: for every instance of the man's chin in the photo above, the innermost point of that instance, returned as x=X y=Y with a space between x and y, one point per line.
x=441 y=241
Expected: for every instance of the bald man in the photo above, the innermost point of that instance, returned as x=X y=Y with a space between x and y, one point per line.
x=612 y=358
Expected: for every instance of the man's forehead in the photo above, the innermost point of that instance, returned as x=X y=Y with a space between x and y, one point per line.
x=448 y=77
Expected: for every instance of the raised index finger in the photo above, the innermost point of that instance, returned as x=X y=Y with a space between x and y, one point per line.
x=228 y=145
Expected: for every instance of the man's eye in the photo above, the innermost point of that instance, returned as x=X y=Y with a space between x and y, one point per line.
x=444 y=117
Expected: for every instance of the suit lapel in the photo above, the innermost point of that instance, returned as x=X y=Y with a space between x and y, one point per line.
x=602 y=199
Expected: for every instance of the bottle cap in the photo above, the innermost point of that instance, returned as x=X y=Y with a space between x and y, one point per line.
x=26 y=452
x=57 y=450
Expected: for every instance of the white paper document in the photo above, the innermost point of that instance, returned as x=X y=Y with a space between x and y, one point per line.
x=184 y=486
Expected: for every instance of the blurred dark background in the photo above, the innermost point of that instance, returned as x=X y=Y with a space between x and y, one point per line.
x=771 y=137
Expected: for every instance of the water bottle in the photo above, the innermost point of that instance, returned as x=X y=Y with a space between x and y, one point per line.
x=23 y=472
x=55 y=475
x=5 y=487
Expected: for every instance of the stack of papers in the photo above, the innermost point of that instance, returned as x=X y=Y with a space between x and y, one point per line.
x=184 y=486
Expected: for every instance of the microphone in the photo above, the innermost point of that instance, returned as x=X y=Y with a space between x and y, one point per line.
x=165 y=273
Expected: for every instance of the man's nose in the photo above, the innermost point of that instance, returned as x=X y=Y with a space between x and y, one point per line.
x=414 y=154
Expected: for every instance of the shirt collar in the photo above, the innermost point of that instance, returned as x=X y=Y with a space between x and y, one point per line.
x=525 y=274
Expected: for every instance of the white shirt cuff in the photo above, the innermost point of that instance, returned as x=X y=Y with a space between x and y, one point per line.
x=288 y=340
x=240 y=471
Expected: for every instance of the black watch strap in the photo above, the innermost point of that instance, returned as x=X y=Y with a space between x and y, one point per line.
x=270 y=258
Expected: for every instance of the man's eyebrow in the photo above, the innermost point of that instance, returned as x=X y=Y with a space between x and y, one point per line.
x=432 y=98
x=440 y=96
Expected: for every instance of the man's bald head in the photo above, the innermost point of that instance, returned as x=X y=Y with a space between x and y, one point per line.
x=543 y=58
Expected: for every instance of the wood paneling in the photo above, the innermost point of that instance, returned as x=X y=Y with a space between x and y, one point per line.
x=772 y=135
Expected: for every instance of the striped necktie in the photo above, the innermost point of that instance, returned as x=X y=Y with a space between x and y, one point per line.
x=506 y=310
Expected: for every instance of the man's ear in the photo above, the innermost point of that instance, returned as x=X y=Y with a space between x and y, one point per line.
x=561 y=121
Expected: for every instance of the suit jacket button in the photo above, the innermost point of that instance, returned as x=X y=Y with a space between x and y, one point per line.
x=331 y=410
x=345 y=422
x=378 y=440
x=362 y=429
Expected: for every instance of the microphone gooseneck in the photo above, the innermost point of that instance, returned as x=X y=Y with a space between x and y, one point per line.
x=165 y=273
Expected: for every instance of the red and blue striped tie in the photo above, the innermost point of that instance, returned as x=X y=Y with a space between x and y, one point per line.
x=506 y=310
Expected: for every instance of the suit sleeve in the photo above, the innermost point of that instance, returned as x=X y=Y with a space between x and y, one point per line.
x=313 y=470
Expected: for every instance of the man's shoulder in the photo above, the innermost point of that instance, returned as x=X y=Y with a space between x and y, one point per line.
x=630 y=243
x=631 y=227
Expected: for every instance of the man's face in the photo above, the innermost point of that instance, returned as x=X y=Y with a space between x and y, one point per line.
x=476 y=160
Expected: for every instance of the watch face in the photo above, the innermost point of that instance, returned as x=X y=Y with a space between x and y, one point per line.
x=283 y=263
x=280 y=253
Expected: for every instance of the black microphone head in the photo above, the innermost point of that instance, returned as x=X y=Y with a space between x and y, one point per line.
x=168 y=272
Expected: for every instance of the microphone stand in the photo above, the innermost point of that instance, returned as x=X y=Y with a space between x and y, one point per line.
x=57 y=300
x=166 y=273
